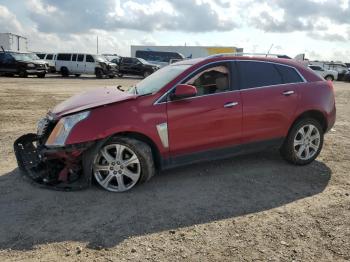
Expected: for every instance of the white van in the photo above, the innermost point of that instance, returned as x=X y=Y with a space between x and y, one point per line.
x=77 y=64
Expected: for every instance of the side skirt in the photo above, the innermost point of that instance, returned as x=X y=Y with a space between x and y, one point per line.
x=220 y=153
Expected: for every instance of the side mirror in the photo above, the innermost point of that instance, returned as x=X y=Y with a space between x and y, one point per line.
x=184 y=91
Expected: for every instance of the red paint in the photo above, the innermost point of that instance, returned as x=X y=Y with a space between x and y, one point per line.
x=201 y=123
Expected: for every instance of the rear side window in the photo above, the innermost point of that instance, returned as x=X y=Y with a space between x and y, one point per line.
x=64 y=57
x=41 y=56
x=89 y=58
x=289 y=75
x=49 y=56
x=74 y=57
x=257 y=74
x=80 y=58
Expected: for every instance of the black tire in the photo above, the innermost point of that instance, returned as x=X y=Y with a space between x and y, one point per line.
x=77 y=75
x=111 y=76
x=329 y=78
x=146 y=74
x=41 y=75
x=287 y=150
x=99 y=73
x=23 y=73
x=64 y=72
x=141 y=149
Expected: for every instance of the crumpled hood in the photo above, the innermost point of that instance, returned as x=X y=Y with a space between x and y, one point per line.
x=94 y=98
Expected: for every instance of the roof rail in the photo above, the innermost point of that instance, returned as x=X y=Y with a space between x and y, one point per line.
x=249 y=54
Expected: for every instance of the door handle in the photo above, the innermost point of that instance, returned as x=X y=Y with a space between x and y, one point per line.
x=288 y=93
x=230 y=104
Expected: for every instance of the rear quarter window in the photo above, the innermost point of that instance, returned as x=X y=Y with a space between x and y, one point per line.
x=289 y=74
x=257 y=74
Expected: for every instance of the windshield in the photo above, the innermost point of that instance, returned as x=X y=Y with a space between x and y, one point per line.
x=100 y=58
x=159 y=79
x=143 y=61
x=33 y=56
x=21 y=56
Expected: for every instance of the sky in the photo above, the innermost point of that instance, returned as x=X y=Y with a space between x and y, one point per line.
x=318 y=28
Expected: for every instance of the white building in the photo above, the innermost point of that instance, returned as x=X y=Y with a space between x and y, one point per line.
x=12 y=42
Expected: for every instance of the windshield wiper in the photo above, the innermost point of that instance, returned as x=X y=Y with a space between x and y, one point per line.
x=136 y=92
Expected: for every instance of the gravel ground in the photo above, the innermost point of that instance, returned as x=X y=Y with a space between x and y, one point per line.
x=254 y=207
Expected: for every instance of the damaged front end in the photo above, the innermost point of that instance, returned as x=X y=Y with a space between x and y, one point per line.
x=59 y=168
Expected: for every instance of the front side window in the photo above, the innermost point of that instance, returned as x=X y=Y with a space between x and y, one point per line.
x=49 y=57
x=90 y=59
x=257 y=74
x=41 y=56
x=214 y=79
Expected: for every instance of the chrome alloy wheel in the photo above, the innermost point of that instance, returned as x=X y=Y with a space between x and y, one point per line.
x=307 y=142
x=117 y=168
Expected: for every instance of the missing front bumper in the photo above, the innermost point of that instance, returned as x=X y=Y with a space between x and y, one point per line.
x=57 y=169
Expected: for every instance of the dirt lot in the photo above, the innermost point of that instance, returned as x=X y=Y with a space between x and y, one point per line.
x=254 y=207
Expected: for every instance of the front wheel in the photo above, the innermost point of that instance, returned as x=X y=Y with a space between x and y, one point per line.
x=23 y=73
x=121 y=163
x=42 y=75
x=304 y=142
x=99 y=73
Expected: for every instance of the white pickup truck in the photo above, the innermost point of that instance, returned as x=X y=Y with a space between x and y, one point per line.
x=329 y=75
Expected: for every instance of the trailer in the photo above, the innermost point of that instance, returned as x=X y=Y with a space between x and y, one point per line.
x=164 y=55
x=13 y=42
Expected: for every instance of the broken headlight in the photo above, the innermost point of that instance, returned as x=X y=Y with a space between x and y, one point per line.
x=64 y=126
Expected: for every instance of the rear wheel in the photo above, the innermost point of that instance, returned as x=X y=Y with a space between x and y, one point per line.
x=121 y=163
x=329 y=78
x=64 y=71
x=304 y=142
x=77 y=75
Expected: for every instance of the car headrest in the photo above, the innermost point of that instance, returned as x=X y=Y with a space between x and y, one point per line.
x=222 y=83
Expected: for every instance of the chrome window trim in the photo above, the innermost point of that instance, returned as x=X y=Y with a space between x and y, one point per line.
x=157 y=102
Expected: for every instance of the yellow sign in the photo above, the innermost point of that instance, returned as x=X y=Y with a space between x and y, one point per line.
x=220 y=50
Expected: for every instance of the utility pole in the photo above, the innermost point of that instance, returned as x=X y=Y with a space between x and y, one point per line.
x=97 y=44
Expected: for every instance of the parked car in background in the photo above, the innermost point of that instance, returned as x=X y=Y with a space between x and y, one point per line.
x=114 y=58
x=136 y=66
x=50 y=58
x=341 y=68
x=190 y=111
x=22 y=64
x=329 y=75
x=77 y=64
x=347 y=77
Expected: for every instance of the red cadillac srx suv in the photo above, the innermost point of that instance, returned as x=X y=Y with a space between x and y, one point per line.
x=193 y=110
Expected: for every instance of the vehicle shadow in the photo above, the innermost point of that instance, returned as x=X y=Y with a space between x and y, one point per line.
x=178 y=198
